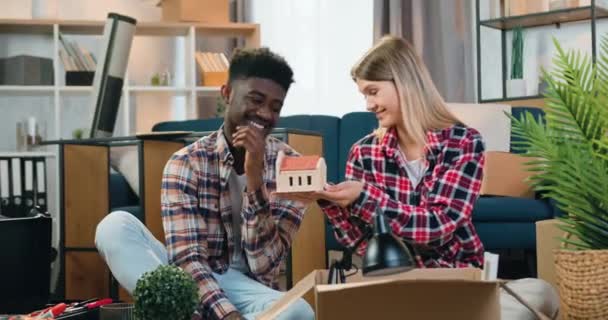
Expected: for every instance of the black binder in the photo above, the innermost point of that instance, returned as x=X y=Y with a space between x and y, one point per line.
x=40 y=184
x=28 y=175
x=5 y=186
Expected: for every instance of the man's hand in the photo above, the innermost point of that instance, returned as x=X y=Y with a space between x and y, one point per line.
x=234 y=316
x=252 y=140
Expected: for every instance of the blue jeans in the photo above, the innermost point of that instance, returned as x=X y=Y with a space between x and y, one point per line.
x=130 y=249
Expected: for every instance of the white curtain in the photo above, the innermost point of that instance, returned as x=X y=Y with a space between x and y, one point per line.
x=443 y=34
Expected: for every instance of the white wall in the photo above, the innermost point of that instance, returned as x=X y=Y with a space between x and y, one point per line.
x=321 y=40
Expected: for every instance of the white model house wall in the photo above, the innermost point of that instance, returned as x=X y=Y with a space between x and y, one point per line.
x=303 y=180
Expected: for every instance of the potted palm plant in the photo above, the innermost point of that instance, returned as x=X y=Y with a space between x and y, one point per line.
x=569 y=156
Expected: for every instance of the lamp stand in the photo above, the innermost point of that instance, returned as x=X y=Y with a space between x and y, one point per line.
x=338 y=267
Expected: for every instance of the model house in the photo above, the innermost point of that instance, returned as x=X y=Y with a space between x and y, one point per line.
x=300 y=174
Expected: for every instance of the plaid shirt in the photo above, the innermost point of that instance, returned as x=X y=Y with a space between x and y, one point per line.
x=197 y=218
x=434 y=218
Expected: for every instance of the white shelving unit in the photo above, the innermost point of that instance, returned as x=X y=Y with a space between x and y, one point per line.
x=63 y=108
x=185 y=92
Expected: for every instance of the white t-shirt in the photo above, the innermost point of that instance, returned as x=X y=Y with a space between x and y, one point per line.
x=415 y=169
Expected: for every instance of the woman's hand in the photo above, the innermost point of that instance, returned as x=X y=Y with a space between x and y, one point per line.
x=303 y=197
x=343 y=193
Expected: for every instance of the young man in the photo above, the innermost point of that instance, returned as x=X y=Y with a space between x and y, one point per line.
x=220 y=223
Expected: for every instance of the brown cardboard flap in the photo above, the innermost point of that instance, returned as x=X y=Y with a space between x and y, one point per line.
x=505 y=174
x=296 y=292
x=412 y=299
x=358 y=280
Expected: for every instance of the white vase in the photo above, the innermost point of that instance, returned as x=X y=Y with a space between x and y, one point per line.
x=44 y=9
x=516 y=88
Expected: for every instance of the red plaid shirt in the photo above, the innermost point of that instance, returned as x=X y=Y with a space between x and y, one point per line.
x=434 y=218
x=197 y=218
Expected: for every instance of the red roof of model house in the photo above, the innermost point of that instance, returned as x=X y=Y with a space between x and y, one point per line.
x=299 y=163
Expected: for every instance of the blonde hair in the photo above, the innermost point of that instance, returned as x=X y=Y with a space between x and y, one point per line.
x=422 y=107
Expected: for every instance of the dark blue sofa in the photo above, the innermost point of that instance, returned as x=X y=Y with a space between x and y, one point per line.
x=502 y=222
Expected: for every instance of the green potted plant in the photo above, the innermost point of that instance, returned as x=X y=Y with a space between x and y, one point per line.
x=167 y=292
x=516 y=85
x=569 y=152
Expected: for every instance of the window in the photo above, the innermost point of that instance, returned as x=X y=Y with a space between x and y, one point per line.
x=291 y=181
x=300 y=180
x=309 y=180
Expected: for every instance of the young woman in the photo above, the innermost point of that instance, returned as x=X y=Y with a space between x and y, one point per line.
x=422 y=168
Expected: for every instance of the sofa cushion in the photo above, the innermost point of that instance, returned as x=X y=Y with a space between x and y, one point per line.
x=353 y=127
x=490 y=120
x=329 y=127
x=506 y=235
x=509 y=209
x=518 y=112
x=120 y=192
x=134 y=210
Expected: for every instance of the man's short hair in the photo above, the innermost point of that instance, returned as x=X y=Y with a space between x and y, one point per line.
x=260 y=63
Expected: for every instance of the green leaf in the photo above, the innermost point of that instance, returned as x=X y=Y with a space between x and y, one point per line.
x=568 y=151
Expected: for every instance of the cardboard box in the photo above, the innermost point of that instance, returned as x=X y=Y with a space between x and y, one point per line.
x=547 y=240
x=205 y=11
x=505 y=174
x=563 y=4
x=418 y=294
x=214 y=78
x=523 y=7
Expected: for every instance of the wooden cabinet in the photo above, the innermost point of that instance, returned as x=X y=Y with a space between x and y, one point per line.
x=84 y=167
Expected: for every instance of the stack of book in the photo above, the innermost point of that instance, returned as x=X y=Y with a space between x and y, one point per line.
x=75 y=57
x=78 y=62
x=213 y=67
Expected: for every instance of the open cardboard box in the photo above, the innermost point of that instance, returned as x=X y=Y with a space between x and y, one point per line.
x=418 y=294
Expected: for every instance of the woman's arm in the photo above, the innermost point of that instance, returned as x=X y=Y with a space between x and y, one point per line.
x=449 y=205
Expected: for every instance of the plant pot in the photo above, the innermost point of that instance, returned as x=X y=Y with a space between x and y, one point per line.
x=516 y=87
x=582 y=280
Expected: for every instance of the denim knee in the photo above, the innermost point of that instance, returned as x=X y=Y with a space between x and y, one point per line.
x=112 y=229
x=300 y=310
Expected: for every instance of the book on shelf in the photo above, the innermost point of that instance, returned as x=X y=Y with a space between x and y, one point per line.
x=75 y=57
x=213 y=67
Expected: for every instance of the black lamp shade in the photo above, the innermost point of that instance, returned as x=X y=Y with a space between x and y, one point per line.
x=385 y=254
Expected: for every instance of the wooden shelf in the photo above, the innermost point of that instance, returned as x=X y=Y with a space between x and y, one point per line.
x=545 y=18
x=25 y=154
x=208 y=89
x=24 y=90
x=144 y=28
x=163 y=89
x=76 y=89
x=26 y=26
x=528 y=101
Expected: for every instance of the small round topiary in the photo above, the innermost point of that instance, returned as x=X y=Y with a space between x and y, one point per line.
x=165 y=293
